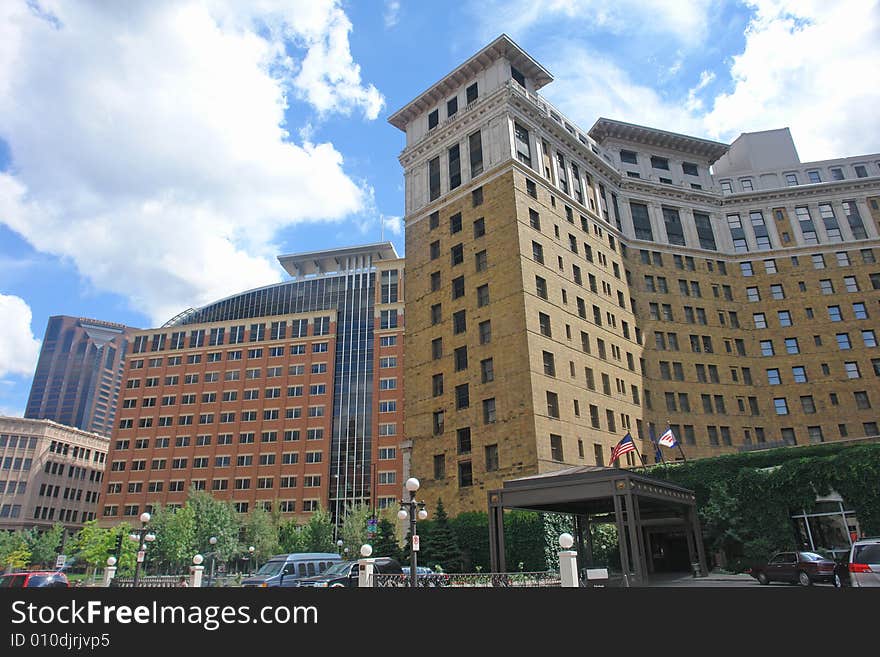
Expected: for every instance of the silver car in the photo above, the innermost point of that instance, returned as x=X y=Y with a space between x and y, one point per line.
x=864 y=562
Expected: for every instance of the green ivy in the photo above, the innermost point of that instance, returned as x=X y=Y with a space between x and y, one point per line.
x=745 y=501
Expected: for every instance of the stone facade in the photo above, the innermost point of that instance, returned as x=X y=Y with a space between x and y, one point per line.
x=49 y=473
x=626 y=287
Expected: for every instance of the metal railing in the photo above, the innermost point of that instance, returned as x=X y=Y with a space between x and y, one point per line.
x=151 y=581
x=471 y=580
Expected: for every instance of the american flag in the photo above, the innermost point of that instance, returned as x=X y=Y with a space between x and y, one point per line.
x=625 y=445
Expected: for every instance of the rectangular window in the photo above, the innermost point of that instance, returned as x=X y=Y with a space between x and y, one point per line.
x=641 y=221
x=832 y=228
x=704 y=231
x=434 y=178
x=475 y=146
x=674 y=229
x=556 y=447
x=521 y=140
x=454 y=158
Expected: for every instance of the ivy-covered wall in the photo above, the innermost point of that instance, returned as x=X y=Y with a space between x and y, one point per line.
x=745 y=501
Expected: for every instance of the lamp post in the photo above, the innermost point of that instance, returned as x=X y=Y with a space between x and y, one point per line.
x=251 y=551
x=213 y=542
x=339 y=546
x=408 y=510
x=143 y=536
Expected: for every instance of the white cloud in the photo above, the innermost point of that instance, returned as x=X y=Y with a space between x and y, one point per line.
x=19 y=349
x=805 y=65
x=694 y=103
x=687 y=22
x=812 y=66
x=393 y=225
x=584 y=93
x=377 y=227
x=149 y=143
x=392 y=13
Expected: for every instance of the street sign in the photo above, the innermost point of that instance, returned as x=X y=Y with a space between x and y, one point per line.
x=60 y=560
x=140 y=558
x=415 y=542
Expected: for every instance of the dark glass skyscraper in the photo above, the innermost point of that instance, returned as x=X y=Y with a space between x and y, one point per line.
x=79 y=373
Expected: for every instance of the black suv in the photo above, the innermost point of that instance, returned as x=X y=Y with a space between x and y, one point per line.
x=345 y=573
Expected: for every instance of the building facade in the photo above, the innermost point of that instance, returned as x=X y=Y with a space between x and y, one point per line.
x=567 y=286
x=49 y=473
x=78 y=374
x=290 y=394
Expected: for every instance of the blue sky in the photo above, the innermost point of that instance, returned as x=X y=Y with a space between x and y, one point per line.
x=156 y=156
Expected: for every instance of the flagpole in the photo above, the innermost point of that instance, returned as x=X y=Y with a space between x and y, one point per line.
x=657 y=449
x=678 y=443
x=641 y=461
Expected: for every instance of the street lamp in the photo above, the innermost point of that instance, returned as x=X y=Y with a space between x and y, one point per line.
x=251 y=553
x=339 y=546
x=213 y=553
x=408 y=510
x=143 y=536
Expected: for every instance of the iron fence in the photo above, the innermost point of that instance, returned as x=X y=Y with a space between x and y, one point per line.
x=471 y=580
x=150 y=581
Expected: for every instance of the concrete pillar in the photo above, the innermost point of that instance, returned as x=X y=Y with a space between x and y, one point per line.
x=568 y=568
x=109 y=574
x=365 y=573
x=195 y=576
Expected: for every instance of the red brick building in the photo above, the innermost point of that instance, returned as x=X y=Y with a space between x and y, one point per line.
x=292 y=393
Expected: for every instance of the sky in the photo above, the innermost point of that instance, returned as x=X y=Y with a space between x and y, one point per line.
x=156 y=156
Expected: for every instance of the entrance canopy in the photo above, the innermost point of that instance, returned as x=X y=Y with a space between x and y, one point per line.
x=639 y=505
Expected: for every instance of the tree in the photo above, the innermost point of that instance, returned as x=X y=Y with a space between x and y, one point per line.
x=472 y=534
x=261 y=533
x=92 y=544
x=443 y=548
x=354 y=529
x=126 y=560
x=292 y=537
x=214 y=518
x=175 y=531
x=385 y=544
x=318 y=532
x=43 y=545
x=14 y=552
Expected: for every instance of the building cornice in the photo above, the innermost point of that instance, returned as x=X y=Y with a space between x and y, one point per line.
x=501 y=48
x=804 y=191
x=609 y=128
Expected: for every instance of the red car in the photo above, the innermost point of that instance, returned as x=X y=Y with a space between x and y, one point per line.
x=32 y=579
x=802 y=568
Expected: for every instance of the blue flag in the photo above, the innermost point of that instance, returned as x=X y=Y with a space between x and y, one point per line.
x=658 y=455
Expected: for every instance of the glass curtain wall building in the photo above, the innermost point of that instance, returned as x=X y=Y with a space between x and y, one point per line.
x=285 y=392
x=77 y=379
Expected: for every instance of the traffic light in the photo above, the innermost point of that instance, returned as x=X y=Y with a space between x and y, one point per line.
x=117 y=549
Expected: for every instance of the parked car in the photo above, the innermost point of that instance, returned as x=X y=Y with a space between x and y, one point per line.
x=864 y=562
x=290 y=569
x=34 y=579
x=802 y=568
x=420 y=570
x=345 y=573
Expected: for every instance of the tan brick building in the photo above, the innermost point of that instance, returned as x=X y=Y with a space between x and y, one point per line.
x=49 y=473
x=291 y=393
x=566 y=287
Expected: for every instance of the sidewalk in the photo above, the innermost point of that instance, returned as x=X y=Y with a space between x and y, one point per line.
x=714 y=579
